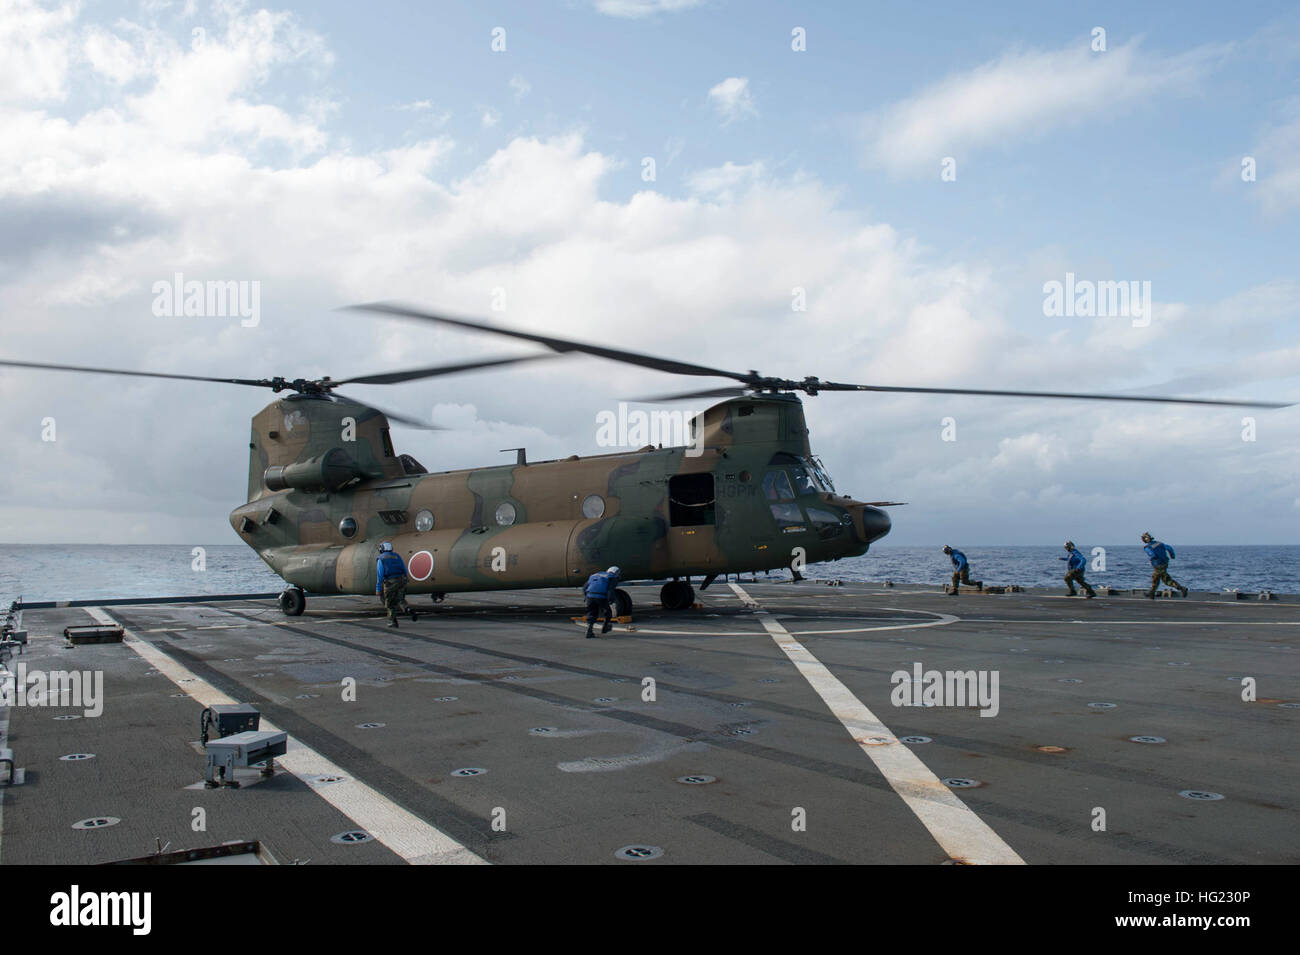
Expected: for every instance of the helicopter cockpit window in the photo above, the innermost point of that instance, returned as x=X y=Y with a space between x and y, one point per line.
x=826 y=523
x=776 y=486
x=787 y=514
x=410 y=465
x=819 y=470
x=805 y=476
x=690 y=500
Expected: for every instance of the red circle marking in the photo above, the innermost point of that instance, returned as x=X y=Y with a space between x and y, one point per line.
x=421 y=565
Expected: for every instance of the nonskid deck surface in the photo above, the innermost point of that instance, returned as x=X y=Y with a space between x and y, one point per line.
x=771 y=736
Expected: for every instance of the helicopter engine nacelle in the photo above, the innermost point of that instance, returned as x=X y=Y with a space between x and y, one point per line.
x=326 y=472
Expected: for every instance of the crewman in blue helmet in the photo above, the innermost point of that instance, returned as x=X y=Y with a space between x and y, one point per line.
x=1075 y=562
x=599 y=593
x=390 y=582
x=1160 y=555
x=961 y=570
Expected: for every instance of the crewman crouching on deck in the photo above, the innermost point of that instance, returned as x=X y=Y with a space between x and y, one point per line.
x=390 y=582
x=1161 y=555
x=599 y=592
x=1075 y=562
x=961 y=571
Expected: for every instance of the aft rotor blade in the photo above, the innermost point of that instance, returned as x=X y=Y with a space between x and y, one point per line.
x=399 y=418
x=44 y=366
x=561 y=345
x=433 y=371
x=837 y=386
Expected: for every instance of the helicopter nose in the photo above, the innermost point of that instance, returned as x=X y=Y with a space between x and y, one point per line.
x=870 y=523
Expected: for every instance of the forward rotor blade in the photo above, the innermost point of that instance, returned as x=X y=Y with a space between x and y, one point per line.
x=837 y=386
x=261 y=382
x=433 y=371
x=712 y=393
x=395 y=416
x=561 y=345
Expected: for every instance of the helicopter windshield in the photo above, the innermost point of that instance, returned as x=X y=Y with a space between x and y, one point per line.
x=807 y=478
x=820 y=471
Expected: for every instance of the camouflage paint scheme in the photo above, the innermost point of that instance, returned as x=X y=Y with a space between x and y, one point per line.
x=340 y=464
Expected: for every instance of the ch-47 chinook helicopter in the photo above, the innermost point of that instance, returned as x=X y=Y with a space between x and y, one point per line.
x=325 y=486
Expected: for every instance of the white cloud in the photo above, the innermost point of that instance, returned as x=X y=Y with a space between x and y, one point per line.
x=112 y=56
x=34 y=50
x=520 y=87
x=638 y=9
x=732 y=99
x=1022 y=95
x=490 y=118
x=721 y=182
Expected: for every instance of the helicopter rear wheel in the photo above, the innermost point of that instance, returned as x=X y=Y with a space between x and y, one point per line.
x=677 y=595
x=293 y=602
x=622 y=603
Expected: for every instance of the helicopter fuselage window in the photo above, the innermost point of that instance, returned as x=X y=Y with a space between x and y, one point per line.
x=690 y=500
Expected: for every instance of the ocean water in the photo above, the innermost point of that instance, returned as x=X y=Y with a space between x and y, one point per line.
x=1214 y=568
x=91 y=571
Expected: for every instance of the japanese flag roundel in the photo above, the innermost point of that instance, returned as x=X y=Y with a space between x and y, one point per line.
x=420 y=565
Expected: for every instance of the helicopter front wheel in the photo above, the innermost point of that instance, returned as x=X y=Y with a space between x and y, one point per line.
x=677 y=595
x=622 y=603
x=293 y=602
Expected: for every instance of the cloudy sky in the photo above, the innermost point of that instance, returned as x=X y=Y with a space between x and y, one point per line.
x=663 y=175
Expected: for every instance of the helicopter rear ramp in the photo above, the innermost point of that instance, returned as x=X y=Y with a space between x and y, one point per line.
x=769 y=725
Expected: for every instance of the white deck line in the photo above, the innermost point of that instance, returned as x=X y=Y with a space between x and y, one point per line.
x=961 y=833
x=404 y=833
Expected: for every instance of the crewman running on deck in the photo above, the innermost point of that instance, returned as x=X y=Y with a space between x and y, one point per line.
x=1161 y=555
x=390 y=582
x=599 y=592
x=961 y=571
x=1074 y=570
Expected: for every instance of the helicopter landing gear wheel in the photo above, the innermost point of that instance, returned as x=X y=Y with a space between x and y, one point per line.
x=622 y=604
x=293 y=602
x=677 y=595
